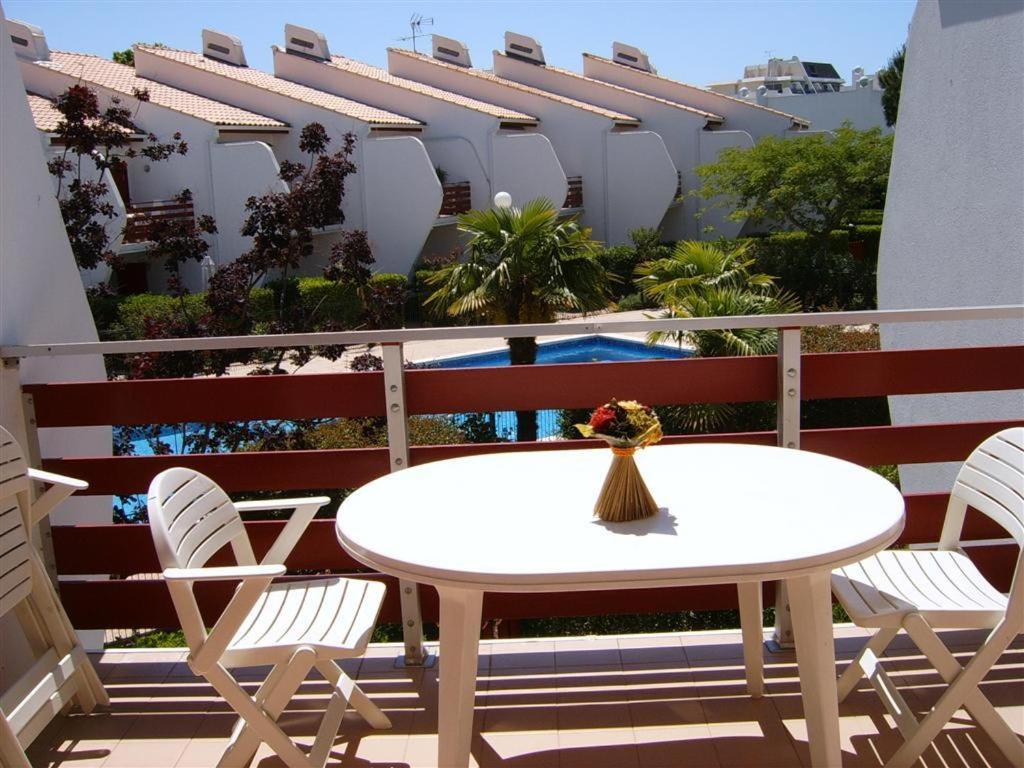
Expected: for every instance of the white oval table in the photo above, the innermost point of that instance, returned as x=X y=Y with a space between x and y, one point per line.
x=522 y=522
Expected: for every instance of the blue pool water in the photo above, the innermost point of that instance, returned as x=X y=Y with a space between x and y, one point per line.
x=585 y=349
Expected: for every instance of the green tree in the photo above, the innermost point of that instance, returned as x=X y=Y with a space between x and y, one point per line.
x=704 y=279
x=127 y=56
x=522 y=266
x=815 y=184
x=891 y=79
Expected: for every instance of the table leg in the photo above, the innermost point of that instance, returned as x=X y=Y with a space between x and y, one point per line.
x=752 y=627
x=810 y=599
x=457 y=659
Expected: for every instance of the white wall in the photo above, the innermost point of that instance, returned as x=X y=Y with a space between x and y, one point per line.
x=712 y=215
x=525 y=165
x=580 y=138
x=641 y=182
x=400 y=216
x=954 y=218
x=460 y=137
x=679 y=129
x=738 y=114
x=41 y=294
x=240 y=170
x=827 y=111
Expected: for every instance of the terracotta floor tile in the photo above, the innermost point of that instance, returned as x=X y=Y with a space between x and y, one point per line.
x=146 y=753
x=675 y=745
x=598 y=748
x=522 y=749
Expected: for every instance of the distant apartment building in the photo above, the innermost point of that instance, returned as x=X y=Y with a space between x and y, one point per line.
x=228 y=159
x=813 y=90
x=681 y=127
x=628 y=178
x=395 y=194
x=476 y=145
x=744 y=122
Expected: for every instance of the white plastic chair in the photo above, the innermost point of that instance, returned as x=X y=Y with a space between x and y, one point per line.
x=61 y=672
x=293 y=625
x=920 y=591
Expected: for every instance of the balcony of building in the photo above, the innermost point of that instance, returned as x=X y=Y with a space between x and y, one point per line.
x=653 y=700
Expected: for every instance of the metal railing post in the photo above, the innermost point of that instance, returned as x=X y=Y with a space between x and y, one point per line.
x=398 y=459
x=788 y=409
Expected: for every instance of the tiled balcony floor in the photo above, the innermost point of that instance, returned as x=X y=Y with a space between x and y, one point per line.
x=651 y=701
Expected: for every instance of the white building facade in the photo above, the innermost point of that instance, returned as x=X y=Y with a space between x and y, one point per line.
x=628 y=177
x=394 y=172
x=470 y=140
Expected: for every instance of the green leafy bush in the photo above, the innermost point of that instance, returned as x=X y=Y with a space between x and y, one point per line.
x=823 y=276
x=133 y=311
x=634 y=301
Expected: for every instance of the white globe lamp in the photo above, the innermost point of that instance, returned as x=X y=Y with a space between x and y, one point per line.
x=503 y=200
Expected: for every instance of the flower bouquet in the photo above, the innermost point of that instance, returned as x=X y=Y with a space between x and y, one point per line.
x=625 y=425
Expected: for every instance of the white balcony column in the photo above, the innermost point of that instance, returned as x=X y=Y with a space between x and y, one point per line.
x=398 y=459
x=788 y=409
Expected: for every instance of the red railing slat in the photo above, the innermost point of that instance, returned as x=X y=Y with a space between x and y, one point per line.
x=227 y=398
x=912 y=371
x=581 y=385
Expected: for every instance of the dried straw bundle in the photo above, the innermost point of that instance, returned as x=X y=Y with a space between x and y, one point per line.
x=624 y=495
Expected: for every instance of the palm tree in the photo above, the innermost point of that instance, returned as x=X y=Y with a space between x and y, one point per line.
x=704 y=279
x=522 y=266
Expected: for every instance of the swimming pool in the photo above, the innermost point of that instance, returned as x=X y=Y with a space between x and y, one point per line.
x=582 y=349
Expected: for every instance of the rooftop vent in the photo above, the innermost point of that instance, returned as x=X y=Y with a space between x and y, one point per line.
x=217 y=45
x=523 y=47
x=631 y=57
x=306 y=42
x=451 y=50
x=29 y=41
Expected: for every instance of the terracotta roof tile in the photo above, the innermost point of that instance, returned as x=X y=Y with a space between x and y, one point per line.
x=122 y=79
x=491 y=77
x=794 y=118
x=44 y=113
x=47 y=117
x=274 y=84
x=676 y=105
x=376 y=73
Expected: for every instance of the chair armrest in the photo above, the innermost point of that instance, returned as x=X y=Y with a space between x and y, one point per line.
x=265 y=505
x=304 y=512
x=60 y=488
x=225 y=573
x=52 y=478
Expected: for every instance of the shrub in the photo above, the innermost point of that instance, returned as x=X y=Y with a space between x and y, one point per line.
x=134 y=311
x=325 y=301
x=828 y=276
x=385 y=299
x=621 y=261
x=634 y=301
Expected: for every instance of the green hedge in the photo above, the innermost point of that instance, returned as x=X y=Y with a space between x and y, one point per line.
x=124 y=317
x=824 y=277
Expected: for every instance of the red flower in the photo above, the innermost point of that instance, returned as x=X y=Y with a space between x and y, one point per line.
x=601 y=418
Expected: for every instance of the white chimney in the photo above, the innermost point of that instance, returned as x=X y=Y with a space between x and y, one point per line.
x=450 y=50
x=631 y=57
x=217 y=45
x=29 y=40
x=307 y=42
x=523 y=47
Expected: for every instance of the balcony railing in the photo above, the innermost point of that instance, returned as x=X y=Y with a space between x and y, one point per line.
x=574 y=197
x=456 y=199
x=788 y=378
x=142 y=217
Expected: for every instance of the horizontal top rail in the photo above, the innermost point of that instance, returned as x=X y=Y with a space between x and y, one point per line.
x=401 y=335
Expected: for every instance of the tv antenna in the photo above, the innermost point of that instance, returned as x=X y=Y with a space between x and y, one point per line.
x=416 y=22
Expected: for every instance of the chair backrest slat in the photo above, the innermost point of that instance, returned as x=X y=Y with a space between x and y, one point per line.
x=15 y=566
x=992 y=480
x=192 y=519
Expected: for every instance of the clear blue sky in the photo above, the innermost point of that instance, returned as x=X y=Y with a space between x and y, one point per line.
x=692 y=40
